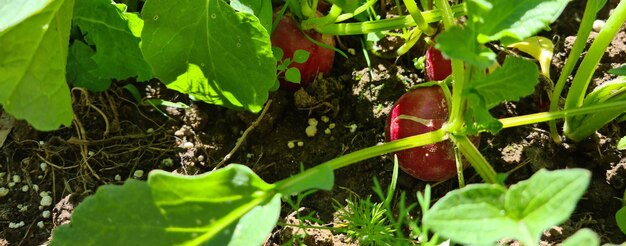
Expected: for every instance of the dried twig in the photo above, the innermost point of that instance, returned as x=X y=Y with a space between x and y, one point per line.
x=243 y=136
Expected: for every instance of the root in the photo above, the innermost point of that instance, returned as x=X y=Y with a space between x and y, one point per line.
x=244 y=135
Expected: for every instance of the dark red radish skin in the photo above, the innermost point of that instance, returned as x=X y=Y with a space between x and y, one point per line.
x=437 y=67
x=435 y=162
x=290 y=38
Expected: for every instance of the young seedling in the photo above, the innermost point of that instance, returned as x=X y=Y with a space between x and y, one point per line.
x=311 y=52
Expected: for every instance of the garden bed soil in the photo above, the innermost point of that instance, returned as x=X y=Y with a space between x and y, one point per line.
x=112 y=138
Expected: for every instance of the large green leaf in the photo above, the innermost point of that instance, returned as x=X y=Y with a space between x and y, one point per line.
x=513 y=20
x=34 y=38
x=516 y=78
x=471 y=215
x=459 y=43
x=584 y=237
x=620 y=217
x=116 y=37
x=546 y=199
x=210 y=51
x=482 y=213
x=81 y=68
x=262 y=9
x=116 y=215
x=230 y=206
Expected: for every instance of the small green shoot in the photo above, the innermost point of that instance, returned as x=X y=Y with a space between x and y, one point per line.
x=291 y=74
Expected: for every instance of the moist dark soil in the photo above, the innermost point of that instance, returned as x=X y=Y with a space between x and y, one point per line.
x=113 y=138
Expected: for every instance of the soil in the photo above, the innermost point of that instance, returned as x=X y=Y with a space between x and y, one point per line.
x=113 y=137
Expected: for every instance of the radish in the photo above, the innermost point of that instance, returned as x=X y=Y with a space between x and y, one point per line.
x=437 y=67
x=420 y=111
x=290 y=38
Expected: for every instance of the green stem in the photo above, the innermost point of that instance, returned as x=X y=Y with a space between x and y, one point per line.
x=418 y=18
x=576 y=93
x=572 y=59
x=385 y=24
x=363 y=154
x=548 y=116
x=367 y=5
x=478 y=161
x=333 y=14
x=446 y=13
x=393 y=146
x=459 y=167
x=458 y=71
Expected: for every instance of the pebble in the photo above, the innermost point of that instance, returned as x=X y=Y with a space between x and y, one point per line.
x=352 y=128
x=168 y=162
x=15 y=225
x=138 y=174
x=45 y=201
x=311 y=130
x=188 y=145
x=598 y=25
x=3 y=191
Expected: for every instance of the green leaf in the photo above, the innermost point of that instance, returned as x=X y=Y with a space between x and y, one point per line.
x=456 y=43
x=300 y=56
x=582 y=237
x=132 y=89
x=116 y=37
x=262 y=9
x=516 y=78
x=319 y=177
x=620 y=217
x=292 y=75
x=621 y=145
x=547 y=198
x=513 y=20
x=80 y=68
x=484 y=213
x=230 y=206
x=210 y=51
x=208 y=208
x=116 y=215
x=471 y=215
x=278 y=53
x=479 y=119
x=34 y=38
x=621 y=71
